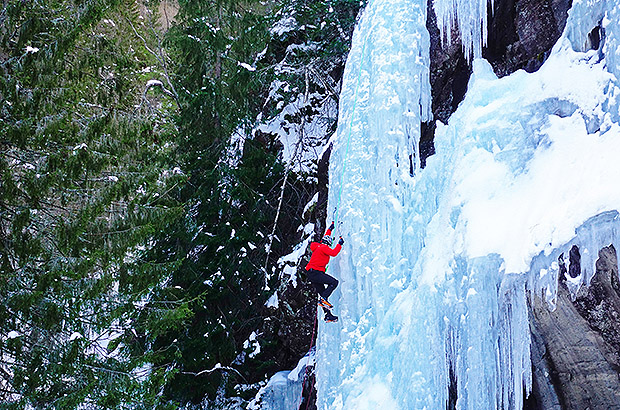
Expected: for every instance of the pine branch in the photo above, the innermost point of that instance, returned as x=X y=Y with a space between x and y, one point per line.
x=215 y=368
x=162 y=61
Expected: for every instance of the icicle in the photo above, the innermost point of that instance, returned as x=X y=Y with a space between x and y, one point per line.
x=470 y=17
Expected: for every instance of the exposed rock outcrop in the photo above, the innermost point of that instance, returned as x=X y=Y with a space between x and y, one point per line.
x=576 y=347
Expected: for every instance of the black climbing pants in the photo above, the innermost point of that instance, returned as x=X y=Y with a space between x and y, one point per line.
x=324 y=283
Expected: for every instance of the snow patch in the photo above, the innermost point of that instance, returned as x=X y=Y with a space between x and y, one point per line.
x=273 y=301
x=285 y=25
x=252 y=343
x=75 y=336
x=13 y=335
x=246 y=66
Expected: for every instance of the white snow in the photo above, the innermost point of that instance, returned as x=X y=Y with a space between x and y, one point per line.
x=311 y=204
x=13 y=335
x=273 y=301
x=252 y=343
x=284 y=25
x=297 y=373
x=235 y=148
x=75 y=336
x=290 y=272
x=516 y=201
x=301 y=155
x=246 y=66
x=289 y=264
x=153 y=83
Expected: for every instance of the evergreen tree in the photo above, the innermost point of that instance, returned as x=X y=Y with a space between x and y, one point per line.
x=205 y=322
x=138 y=195
x=81 y=191
x=213 y=300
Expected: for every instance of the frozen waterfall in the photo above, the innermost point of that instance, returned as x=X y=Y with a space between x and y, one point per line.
x=438 y=261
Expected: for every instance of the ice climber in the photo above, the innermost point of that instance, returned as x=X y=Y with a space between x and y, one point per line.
x=325 y=284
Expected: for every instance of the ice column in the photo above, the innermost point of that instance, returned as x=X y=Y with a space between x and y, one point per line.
x=384 y=98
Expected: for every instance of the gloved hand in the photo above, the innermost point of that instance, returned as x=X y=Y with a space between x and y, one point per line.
x=331 y=227
x=341 y=241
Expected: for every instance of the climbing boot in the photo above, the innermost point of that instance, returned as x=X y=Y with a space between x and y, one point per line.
x=329 y=317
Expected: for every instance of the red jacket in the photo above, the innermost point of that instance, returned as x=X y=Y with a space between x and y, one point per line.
x=321 y=253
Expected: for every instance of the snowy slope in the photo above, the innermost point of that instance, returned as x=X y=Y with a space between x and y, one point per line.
x=437 y=262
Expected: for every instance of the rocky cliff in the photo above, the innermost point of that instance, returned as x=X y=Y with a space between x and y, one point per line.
x=576 y=347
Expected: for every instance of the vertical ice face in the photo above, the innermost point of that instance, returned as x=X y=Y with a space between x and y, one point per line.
x=385 y=96
x=437 y=262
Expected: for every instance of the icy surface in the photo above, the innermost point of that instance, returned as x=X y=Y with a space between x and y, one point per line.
x=469 y=17
x=284 y=389
x=438 y=262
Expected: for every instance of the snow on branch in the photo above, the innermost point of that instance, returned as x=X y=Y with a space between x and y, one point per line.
x=216 y=367
x=157 y=83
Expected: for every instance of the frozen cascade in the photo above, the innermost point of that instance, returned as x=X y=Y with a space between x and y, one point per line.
x=279 y=393
x=385 y=96
x=283 y=391
x=469 y=18
x=438 y=263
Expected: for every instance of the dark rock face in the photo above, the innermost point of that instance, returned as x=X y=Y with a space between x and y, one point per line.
x=522 y=33
x=576 y=348
x=449 y=74
x=600 y=303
